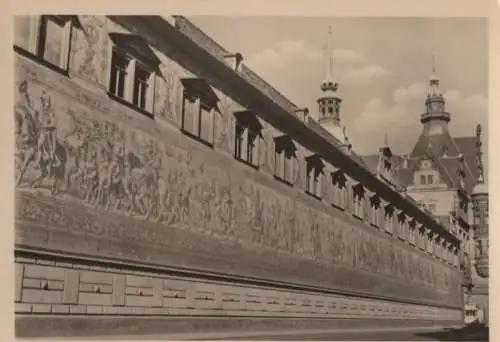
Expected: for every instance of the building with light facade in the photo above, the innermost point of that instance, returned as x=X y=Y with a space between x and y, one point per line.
x=163 y=185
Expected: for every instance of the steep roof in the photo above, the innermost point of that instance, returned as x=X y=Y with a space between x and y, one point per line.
x=444 y=151
x=436 y=144
x=467 y=145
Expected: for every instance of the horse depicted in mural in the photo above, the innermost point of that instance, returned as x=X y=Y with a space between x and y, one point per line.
x=37 y=142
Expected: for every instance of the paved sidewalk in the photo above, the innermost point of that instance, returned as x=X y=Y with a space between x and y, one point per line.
x=255 y=335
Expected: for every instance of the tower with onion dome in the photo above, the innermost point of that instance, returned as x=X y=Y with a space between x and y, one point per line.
x=329 y=101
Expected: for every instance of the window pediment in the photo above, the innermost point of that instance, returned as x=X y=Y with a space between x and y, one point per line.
x=375 y=200
x=284 y=141
x=338 y=177
x=402 y=217
x=199 y=87
x=386 y=152
x=358 y=188
x=250 y=120
x=315 y=160
x=137 y=47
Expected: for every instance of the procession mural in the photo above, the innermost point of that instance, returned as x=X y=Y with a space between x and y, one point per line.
x=98 y=161
x=73 y=151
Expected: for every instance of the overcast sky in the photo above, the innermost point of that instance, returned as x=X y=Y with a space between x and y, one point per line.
x=382 y=64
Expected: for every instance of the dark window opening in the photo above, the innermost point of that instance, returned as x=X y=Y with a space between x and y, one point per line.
x=119 y=65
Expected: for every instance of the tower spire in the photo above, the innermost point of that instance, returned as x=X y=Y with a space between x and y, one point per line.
x=329 y=56
x=329 y=101
x=435 y=103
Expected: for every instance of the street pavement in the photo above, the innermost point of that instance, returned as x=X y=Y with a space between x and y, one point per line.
x=470 y=333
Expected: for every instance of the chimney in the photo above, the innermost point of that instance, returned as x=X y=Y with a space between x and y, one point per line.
x=405 y=161
x=235 y=59
x=302 y=114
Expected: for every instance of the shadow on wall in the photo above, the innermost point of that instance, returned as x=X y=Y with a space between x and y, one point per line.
x=471 y=332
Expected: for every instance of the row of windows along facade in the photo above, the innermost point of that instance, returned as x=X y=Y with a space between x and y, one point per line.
x=132 y=79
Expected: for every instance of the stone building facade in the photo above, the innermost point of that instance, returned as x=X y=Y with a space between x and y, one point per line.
x=441 y=174
x=157 y=177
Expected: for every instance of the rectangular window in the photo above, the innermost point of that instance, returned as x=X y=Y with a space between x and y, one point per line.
x=119 y=66
x=430 y=179
x=188 y=113
x=339 y=193
x=358 y=204
x=46 y=37
x=252 y=148
x=388 y=217
x=197 y=119
x=51 y=39
x=238 y=140
x=246 y=144
x=141 y=85
x=132 y=78
x=289 y=166
x=284 y=159
x=279 y=162
x=411 y=233
x=313 y=185
x=401 y=223
x=422 y=179
x=205 y=123
x=375 y=214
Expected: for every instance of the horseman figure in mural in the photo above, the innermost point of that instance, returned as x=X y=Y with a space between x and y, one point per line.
x=37 y=140
x=93 y=160
x=26 y=131
x=47 y=140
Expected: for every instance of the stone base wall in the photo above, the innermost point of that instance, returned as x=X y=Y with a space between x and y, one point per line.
x=56 y=292
x=33 y=326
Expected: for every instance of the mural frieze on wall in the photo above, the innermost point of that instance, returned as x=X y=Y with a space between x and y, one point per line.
x=72 y=152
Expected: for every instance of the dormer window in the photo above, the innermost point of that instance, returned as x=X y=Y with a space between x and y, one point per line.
x=44 y=38
x=388 y=218
x=426 y=177
x=421 y=238
x=314 y=175
x=247 y=138
x=284 y=160
x=358 y=199
x=339 y=183
x=402 y=226
x=412 y=232
x=375 y=210
x=198 y=110
x=133 y=72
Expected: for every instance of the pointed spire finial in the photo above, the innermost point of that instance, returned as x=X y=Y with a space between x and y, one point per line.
x=433 y=64
x=328 y=83
x=329 y=54
x=479 y=154
x=385 y=139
